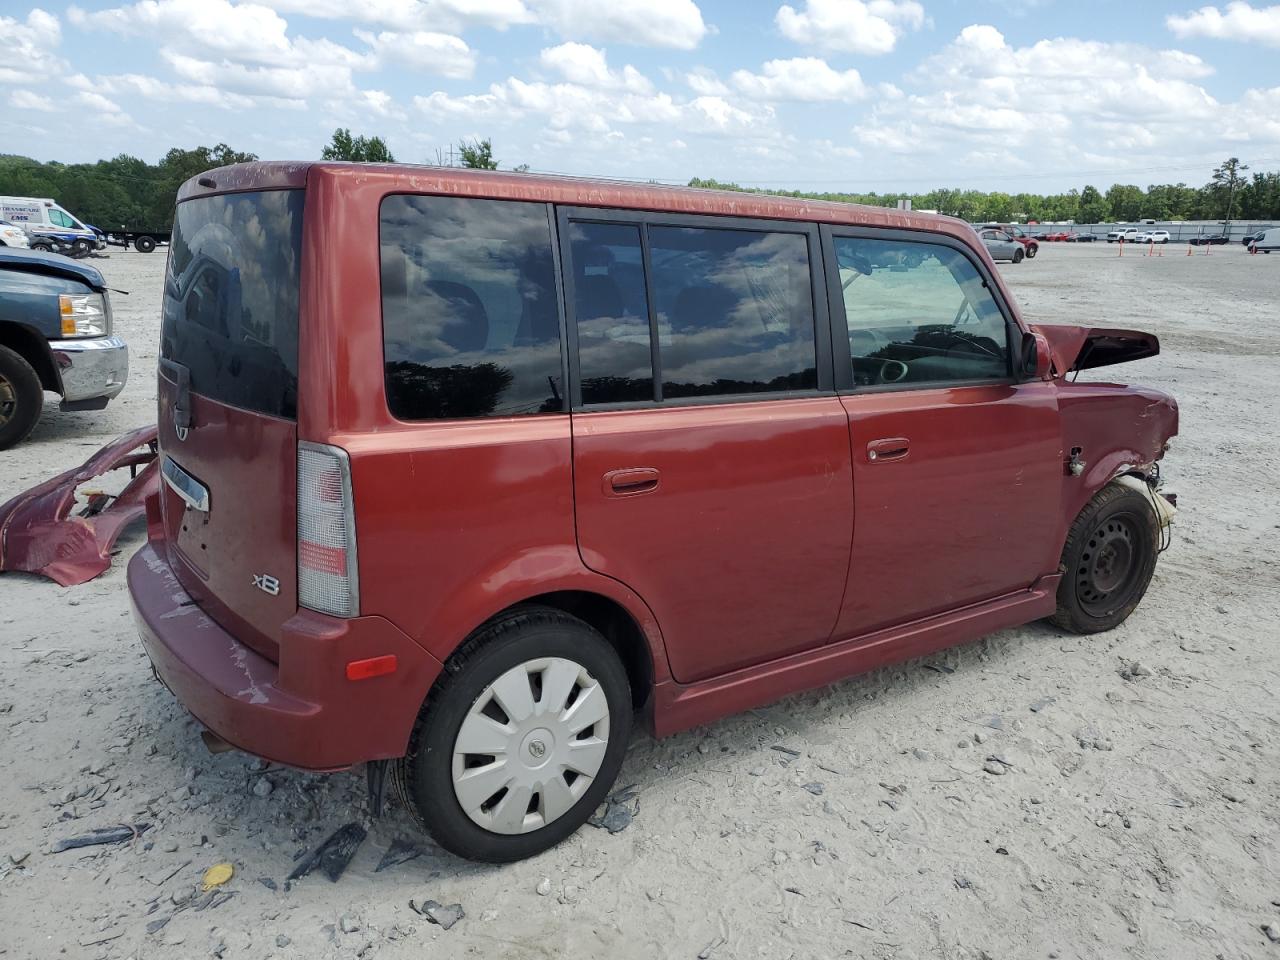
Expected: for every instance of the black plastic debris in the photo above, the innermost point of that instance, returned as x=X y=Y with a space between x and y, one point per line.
x=619 y=810
x=787 y=750
x=332 y=856
x=400 y=851
x=438 y=913
x=116 y=834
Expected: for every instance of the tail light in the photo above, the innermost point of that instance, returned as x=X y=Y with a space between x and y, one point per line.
x=327 y=571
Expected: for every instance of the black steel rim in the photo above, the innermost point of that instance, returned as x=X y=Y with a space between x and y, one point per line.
x=8 y=401
x=1110 y=565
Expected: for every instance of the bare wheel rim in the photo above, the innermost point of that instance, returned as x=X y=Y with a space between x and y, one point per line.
x=8 y=401
x=1110 y=565
x=530 y=746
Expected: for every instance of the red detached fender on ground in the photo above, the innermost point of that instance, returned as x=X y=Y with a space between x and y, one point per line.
x=38 y=534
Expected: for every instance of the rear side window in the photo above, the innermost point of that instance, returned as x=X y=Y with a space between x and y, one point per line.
x=230 y=311
x=918 y=313
x=732 y=311
x=470 y=316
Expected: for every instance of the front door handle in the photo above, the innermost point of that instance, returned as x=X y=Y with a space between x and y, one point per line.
x=890 y=448
x=630 y=481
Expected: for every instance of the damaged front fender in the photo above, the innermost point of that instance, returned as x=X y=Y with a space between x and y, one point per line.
x=39 y=534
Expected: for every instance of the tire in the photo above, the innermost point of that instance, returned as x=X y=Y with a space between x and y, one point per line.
x=1031 y=252
x=1017 y=256
x=1107 y=561
x=513 y=649
x=144 y=244
x=21 y=398
x=81 y=248
x=41 y=245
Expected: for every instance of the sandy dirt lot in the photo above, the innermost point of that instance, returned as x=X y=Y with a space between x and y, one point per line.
x=1138 y=814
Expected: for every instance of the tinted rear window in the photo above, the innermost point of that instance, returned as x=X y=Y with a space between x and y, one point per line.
x=231 y=298
x=470 y=315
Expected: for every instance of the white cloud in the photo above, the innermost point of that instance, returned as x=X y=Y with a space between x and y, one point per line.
x=588 y=66
x=29 y=47
x=439 y=53
x=650 y=23
x=802 y=78
x=1241 y=21
x=27 y=100
x=705 y=82
x=850 y=26
x=591 y=110
x=153 y=88
x=97 y=101
x=1054 y=96
x=285 y=83
x=444 y=15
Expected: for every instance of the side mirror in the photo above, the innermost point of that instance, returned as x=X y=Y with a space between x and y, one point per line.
x=1037 y=359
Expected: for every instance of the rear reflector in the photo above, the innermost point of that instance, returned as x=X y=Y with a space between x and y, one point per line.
x=327 y=571
x=373 y=667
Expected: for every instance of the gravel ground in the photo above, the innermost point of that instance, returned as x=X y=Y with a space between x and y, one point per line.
x=1136 y=814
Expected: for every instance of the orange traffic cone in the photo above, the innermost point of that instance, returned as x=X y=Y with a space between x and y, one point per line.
x=1122 y=246
x=1189 y=251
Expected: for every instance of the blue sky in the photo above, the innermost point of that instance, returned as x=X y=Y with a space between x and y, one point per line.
x=820 y=94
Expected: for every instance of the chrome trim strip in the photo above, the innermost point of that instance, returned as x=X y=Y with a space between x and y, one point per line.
x=191 y=490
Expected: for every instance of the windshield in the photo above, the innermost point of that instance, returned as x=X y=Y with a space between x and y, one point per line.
x=231 y=298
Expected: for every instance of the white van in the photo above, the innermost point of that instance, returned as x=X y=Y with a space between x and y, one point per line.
x=1268 y=241
x=41 y=218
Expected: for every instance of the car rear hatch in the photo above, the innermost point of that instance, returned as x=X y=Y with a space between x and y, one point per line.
x=228 y=391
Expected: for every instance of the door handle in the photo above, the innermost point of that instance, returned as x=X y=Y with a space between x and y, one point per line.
x=890 y=448
x=630 y=481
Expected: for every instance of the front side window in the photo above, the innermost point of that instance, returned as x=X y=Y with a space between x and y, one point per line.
x=732 y=310
x=470 y=316
x=60 y=219
x=918 y=313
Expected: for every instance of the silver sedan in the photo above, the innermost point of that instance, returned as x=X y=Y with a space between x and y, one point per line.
x=1002 y=246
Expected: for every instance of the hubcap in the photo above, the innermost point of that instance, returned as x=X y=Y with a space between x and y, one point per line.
x=530 y=746
x=1108 y=566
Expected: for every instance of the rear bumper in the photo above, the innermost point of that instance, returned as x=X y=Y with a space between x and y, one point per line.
x=93 y=369
x=303 y=712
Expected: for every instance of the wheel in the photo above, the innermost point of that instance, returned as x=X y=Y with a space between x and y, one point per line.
x=1107 y=561
x=144 y=244
x=1017 y=256
x=81 y=248
x=1031 y=252
x=21 y=398
x=42 y=245
x=520 y=739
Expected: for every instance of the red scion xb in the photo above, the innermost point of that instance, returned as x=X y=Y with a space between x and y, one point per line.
x=465 y=471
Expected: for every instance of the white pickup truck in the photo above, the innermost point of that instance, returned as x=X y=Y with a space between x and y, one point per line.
x=1128 y=234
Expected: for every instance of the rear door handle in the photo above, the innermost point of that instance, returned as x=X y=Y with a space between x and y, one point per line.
x=890 y=448
x=630 y=481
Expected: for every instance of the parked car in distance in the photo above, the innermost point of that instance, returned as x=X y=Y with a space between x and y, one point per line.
x=1249 y=238
x=1216 y=240
x=1002 y=246
x=1127 y=234
x=544 y=455
x=1030 y=245
x=1269 y=240
x=1157 y=236
x=12 y=235
x=55 y=335
x=1081 y=238
x=1059 y=236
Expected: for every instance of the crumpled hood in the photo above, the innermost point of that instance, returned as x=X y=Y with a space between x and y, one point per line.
x=1083 y=348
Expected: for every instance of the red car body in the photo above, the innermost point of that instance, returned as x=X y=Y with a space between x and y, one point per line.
x=1031 y=243
x=735 y=551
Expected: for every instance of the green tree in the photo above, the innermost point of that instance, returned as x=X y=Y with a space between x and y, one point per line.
x=1093 y=208
x=1224 y=183
x=477 y=155
x=360 y=149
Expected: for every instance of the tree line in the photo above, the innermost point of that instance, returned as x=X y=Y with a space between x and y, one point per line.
x=128 y=192
x=1229 y=194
